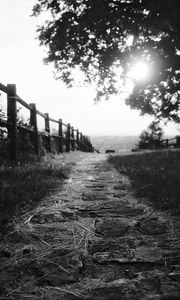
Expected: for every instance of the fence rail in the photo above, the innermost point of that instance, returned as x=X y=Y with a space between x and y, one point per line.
x=161 y=144
x=69 y=140
x=172 y=142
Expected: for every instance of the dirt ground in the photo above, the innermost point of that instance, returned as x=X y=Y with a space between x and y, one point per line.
x=92 y=239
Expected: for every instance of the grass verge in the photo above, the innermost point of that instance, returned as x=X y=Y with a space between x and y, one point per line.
x=22 y=187
x=155 y=176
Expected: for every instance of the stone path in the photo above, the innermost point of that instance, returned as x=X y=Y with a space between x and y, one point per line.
x=92 y=239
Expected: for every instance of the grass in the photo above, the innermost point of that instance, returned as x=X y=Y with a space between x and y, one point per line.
x=155 y=176
x=28 y=248
x=23 y=187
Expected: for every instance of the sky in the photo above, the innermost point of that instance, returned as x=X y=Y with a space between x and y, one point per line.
x=21 y=63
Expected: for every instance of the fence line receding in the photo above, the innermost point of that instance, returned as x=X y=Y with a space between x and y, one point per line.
x=64 y=138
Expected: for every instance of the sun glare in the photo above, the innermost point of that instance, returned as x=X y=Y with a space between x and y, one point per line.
x=139 y=71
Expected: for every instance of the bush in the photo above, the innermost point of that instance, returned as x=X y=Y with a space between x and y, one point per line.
x=151 y=138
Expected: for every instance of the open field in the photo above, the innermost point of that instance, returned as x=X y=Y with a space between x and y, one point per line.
x=155 y=176
x=118 y=143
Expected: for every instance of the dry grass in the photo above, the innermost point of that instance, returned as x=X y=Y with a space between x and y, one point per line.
x=23 y=187
x=155 y=176
x=32 y=266
x=31 y=251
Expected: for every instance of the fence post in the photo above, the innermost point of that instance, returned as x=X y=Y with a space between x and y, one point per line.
x=177 y=140
x=47 y=129
x=167 y=143
x=77 y=139
x=73 y=141
x=60 y=133
x=33 y=122
x=85 y=144
x=12 y=118
x=81 y=142
x=68 y=138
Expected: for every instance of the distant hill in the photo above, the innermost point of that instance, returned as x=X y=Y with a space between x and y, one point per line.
x=118 y=143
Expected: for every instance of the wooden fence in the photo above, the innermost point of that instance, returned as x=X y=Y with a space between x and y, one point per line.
x=161 y=144
x=70 y=139
x=172 y=142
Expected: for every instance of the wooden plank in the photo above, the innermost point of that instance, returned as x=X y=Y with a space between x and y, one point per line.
x=33 y=122
x=4 y=123
x=55 y=136
x=53 y=120
x=178 y=140
x=47 y=130
x=22 y=102
x=12 y=118
x=77 y=139
x=68 y=138
x=24 y=128
x=40 y=114
x=81 y=142
x=72 y=139
x=60 y=132
x=3 y=88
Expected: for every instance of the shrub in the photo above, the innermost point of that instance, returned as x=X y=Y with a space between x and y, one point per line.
x=151 y=137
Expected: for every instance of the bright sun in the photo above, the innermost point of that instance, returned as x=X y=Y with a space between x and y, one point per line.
x=139 y=71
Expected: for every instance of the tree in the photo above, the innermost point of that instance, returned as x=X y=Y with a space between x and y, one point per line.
x=92 y=37
x=151 y=137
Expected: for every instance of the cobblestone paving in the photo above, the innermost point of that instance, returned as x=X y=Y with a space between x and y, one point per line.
x=92 y=239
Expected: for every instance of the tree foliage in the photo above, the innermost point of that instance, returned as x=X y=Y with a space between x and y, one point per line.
x=151 y=137
x=91 y=37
